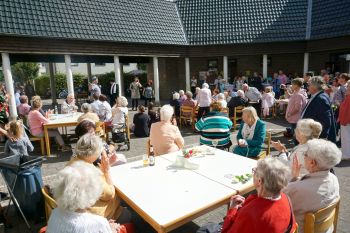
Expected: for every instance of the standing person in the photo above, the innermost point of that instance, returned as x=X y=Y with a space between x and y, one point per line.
x=203 y=100
x=148 y=93
x=282 y=77
x=344 y=120
x=94 y=88
x=29 y=90
x=253 y=96
x=276 y=85
x=267 y=101
x=319 y=108
x=113 y=92
x=135 y=87
x=141 y=123
x=193 y=84
x=340 y=94
x=306 y=78
x=296 y=104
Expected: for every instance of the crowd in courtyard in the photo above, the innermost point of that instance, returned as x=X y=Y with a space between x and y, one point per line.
x=287 y=185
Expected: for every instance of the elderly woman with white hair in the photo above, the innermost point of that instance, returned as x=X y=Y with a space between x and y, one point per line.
x=88 y=114
x=306 y=130
x=182 y=96
x=221 y=100
x=236 y=101
x=203 y=100
x=120 y=111
x=68 y=105
x=72 y=214
x=165 y=136
x=267 y=211
x=175 y=103
x=251 y=134
x=88 y=149
x=320 y=187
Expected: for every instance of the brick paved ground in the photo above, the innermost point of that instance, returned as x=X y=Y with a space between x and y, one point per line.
x=53 y=164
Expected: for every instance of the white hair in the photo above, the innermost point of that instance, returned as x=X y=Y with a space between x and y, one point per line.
x=85 y=108
x=77 y=186
x=88 y=145
x=181 y=92
x=325 y=153
x=309 y=128
x=166 y=112
x=176 y=96
x=205 y=85
x=221 y=96
x=317 y=81
x=274 y=174
x=240 y=93
x=122 y=101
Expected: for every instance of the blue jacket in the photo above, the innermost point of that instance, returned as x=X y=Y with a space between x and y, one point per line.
x=320 y=109
x=255 y=144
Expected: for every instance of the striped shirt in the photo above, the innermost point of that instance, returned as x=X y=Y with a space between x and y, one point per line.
x=214 y=126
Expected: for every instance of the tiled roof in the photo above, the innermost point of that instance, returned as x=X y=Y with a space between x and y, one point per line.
x=243 y=21
x=175 y=22
x=330 y=18
x=136 y=21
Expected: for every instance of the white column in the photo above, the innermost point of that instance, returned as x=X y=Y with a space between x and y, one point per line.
x=225 y=68
x=69 y=74
x=117 y=74
x=265 y=65
x=187 y=61
x=306 y=62
x=156 y=79
x=6 y=69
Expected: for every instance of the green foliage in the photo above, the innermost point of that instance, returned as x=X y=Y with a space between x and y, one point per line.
x=24 y=71
x=42 y=83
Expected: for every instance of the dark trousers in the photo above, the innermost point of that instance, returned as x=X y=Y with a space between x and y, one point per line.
x=147 y=100
x=257 y=107
x=113 y=98
x=193 y=90
x=134 y=103
x=202 y=111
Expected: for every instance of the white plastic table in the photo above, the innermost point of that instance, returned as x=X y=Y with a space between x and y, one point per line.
x=167 y=197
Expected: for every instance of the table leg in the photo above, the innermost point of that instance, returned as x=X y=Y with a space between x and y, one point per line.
x=47 y=141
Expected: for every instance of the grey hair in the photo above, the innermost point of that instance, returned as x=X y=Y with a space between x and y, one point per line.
x=176 y=96
x=122 y=101
x=325 y=153
x=88 y=145
x=77 y=186
x=189 y=94
x=240 y=93
x=274 y=174
x=317 y=81
x=205 y=85
x=166 y=112
x=309 y=128
x=85 y=108
x=221 y=96
x=181 y=92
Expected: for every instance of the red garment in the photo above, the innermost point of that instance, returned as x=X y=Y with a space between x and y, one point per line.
x=344 y=111
x=259 y=215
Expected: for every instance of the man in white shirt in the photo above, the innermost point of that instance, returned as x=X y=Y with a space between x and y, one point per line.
x=204 y=100
x=254 y=96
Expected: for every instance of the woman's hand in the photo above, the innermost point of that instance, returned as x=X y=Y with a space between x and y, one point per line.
x=236 y=201
x=242 y=143
x=104 y=165
x=296 y=167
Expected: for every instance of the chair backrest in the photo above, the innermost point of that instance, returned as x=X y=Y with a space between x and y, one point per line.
x=186 y=111
x=238 y=112
x=100 y=129
x=323 y=219
x=50 y=203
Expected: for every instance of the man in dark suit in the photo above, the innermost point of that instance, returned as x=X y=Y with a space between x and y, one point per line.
x=319 y=108
x=113 y=92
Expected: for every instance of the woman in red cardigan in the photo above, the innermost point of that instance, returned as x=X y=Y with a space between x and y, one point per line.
x=269 y=210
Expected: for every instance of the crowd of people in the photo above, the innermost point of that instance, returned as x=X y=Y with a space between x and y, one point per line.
x=287 y=185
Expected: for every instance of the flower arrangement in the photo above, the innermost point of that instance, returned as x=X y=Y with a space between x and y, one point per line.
x=187 y=153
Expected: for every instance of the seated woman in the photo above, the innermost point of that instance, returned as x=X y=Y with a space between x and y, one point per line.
x=221 y=100
x=320 y=187
x=251 y=134
x=175 y=103
x=141 y=123
x=72 y=214
x=306 y=130
x=119 y=111
x=89 y=148
x=36 y=121
x=236 y=101
x=215 y=127
x=153 y=114
x=24 y=107
x=88 y=114
x=88 y=126
x=165 y=136
x=104 y=109
x=268 y=211
x=68 y=105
